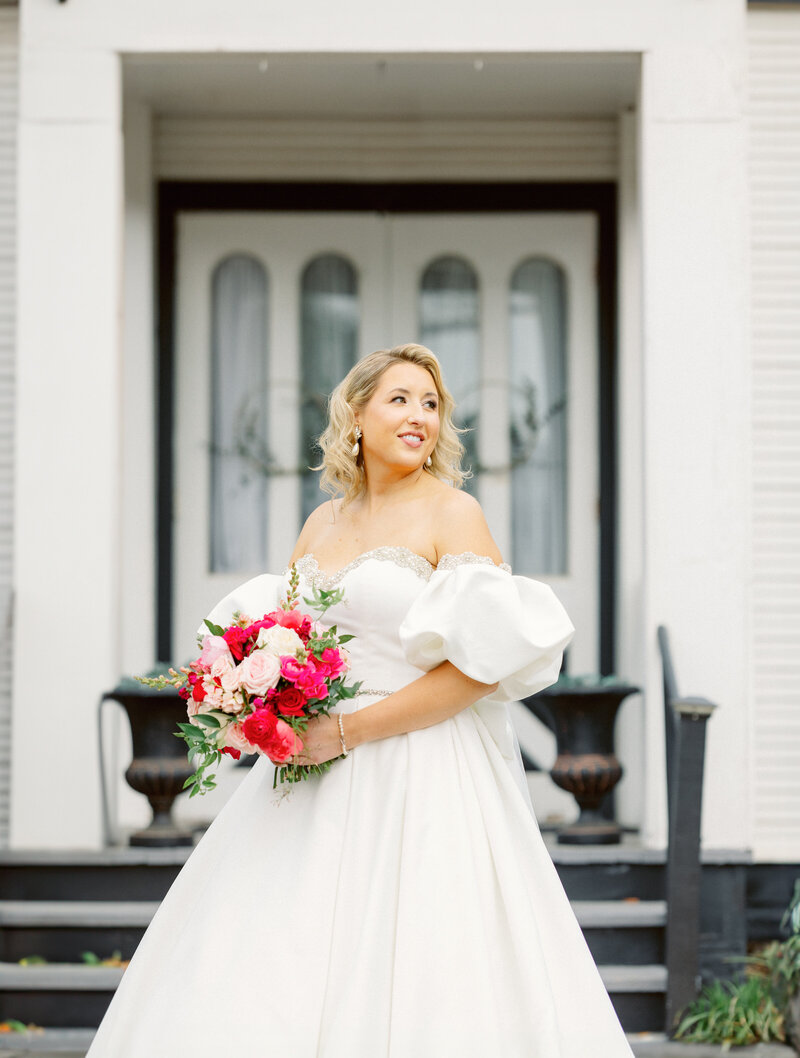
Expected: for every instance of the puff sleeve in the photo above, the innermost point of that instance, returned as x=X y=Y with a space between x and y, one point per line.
x=493 y=626
x=254 y=597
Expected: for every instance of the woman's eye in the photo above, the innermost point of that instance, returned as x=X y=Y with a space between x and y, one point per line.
x=398 y=397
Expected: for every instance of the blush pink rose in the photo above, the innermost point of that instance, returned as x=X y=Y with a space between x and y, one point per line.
x=230 y=679
x=259 y=672
x=235 y=738
x=221 y=665
x=213 y=647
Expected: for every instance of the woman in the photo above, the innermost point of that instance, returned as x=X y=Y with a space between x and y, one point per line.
x=403 y=903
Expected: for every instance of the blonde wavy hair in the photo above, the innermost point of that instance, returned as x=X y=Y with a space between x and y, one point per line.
x=342 y=472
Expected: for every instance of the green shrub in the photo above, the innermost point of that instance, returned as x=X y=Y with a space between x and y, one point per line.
x=733 y=1014
x=754 y=1010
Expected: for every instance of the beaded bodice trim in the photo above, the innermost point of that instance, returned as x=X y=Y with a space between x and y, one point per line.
x=308 y=566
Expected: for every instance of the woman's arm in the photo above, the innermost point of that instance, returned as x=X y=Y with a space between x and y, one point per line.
x=435 y=696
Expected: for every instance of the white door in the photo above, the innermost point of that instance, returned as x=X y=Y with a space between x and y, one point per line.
x=273 y=308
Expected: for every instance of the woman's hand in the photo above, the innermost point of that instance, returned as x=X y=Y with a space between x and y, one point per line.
x=320 y=741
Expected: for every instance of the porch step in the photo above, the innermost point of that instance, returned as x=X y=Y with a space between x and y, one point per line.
x=639 y=979
x=59 y=977
x=88 y=914
x=619 y=914
x=62 y=1042
x=57 y=906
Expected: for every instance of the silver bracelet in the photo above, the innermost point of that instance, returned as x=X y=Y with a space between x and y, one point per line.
x=341 y=735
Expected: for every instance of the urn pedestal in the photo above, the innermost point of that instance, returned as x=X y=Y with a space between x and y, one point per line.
x=582 y=717
x=159 y=767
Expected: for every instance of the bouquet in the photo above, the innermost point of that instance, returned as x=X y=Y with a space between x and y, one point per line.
x=257 y=683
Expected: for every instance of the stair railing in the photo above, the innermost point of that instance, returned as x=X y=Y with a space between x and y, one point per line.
x=685 y=722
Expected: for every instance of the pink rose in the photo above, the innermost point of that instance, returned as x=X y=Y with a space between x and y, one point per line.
x=291 y=619
x=259 y=672
x=292 y=669
x=312 y=684
x=284 y=743
x=335 y=662
x=213 y=647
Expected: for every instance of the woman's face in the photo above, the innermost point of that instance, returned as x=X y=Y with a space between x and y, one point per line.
x=400 y=422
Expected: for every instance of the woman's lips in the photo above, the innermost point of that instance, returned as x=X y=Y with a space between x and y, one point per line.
x=412 y=440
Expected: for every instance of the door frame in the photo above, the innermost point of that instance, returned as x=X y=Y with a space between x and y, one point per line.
x=181 y=196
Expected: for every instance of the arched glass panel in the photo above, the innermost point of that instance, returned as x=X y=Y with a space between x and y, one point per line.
x=238 y=416
x=449 y=324
x=329 y=342
x=539 y=418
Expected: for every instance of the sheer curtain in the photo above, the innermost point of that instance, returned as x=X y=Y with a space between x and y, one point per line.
x=239 y=362
x=539 y=418
x=329 y=343
x=449 y=324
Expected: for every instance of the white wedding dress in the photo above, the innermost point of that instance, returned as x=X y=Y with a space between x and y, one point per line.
x=403 y=905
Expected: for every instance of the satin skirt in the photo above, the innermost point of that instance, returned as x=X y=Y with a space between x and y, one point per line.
x=403 y=905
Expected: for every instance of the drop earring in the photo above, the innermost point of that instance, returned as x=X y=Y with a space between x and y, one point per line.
x=428 y=462
x=355 y=449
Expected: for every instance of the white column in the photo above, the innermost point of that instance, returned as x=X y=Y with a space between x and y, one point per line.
x=66 y=643
x=696 y=426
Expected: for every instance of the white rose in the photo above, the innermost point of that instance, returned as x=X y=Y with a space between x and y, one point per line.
x=280 y=641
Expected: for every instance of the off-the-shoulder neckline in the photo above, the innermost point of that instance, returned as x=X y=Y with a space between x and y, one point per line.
x=400 y=555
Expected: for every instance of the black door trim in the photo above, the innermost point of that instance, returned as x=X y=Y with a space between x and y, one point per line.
x=176 y=197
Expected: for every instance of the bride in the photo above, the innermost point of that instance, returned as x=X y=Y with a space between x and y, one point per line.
x=403 y=903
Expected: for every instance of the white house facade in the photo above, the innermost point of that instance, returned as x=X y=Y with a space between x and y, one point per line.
x=294 y=187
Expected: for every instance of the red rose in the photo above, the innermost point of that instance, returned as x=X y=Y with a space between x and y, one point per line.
x=235 y=637
x=259 y=726
x=235 y=753
x=272 y=736
x=290 y=702
x=198 y=691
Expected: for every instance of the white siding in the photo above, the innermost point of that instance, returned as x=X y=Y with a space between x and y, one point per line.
x=774 y=79
x=8 y=155
x=218 y=148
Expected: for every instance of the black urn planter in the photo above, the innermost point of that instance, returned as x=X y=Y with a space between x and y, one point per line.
x=159 y=767
x=582 y=717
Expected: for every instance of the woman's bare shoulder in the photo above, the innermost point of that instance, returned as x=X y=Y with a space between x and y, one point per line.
x=461 y=526
x=320 y=519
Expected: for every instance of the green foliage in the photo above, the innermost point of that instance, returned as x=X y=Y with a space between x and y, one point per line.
x=323 y=600
x=753 y=1010
x=733 y=1014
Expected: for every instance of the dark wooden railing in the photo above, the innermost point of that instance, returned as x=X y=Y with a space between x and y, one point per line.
x=685 y=728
